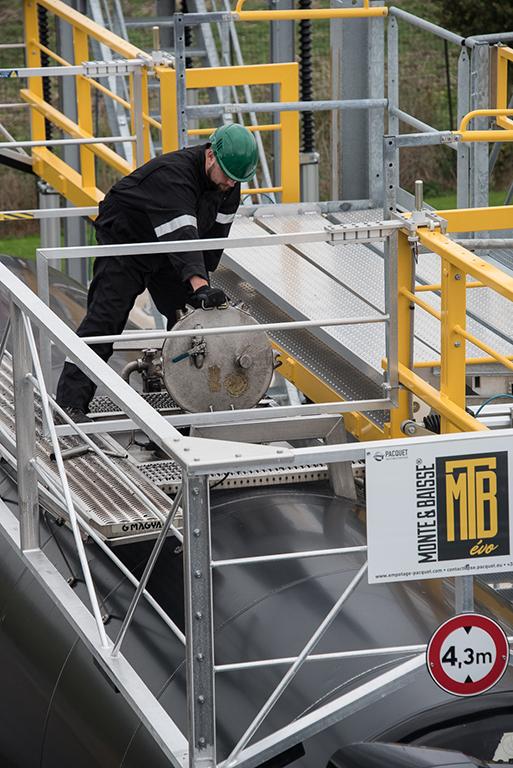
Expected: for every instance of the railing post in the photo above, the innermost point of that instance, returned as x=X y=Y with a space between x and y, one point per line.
x=181 y=86
x=405 y=330
x=289 y=91
x=199 y=623
x=463 y=151
x=167 y=79
x=25 y=433
x=84 y=108
x=136 y=93
x=452 y=344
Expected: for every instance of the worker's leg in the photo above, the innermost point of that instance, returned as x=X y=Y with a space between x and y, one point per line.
x=167 y=293
x=116 y=284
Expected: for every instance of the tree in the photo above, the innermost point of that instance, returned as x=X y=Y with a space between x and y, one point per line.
x=474 y=17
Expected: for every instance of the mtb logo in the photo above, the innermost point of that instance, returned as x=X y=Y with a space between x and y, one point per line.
x=472 y=506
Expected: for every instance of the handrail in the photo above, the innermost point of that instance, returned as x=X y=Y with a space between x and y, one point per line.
x=457 y=264
x=314 y=13
x=482 y=113
x=83 y=23
x=363 y=11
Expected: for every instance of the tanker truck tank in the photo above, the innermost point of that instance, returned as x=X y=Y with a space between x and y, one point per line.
x=59 y=709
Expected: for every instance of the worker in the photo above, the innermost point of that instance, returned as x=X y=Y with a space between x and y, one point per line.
x=184 y=195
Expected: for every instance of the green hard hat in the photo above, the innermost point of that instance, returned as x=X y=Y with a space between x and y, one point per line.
x=235 y=150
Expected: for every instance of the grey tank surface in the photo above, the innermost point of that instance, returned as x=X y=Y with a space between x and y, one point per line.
x=59 y=710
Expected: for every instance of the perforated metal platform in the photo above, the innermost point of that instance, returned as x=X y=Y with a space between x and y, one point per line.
x=161 y=401
x=101 y=497
x=166 y=475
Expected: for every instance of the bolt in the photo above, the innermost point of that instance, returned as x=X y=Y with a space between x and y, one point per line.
x=457 y=276
x=196 y=532
x=280 y=450
x=201 y=741
x=197 y=574
x=457 y=343
x=195 y=491
x=199 y=657
x=187 y=449
x=196 y=458
x=238 y=455
x=198 y=615
x=201 y=699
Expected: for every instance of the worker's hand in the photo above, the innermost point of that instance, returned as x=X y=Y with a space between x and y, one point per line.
x=206 y=297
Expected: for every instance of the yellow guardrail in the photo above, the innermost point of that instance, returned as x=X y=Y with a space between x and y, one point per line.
x=365 y=11
x=457 y=263
x=80 y=187
x=504 y=57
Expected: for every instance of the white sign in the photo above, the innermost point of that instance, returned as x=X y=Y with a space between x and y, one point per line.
x=468 y=654
x=438 y=509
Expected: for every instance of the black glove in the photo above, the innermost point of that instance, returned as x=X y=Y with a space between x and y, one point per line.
x=206 y=297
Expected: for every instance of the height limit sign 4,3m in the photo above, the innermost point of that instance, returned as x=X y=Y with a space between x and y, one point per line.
x=467 y=654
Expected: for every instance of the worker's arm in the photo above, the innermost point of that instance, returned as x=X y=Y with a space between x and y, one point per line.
x=222 y=225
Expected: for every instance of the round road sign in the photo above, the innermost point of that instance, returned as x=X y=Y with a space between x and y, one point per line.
x=467 y=654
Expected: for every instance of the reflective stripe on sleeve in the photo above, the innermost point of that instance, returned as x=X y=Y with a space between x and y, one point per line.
x=225 y=218
x=178 y=223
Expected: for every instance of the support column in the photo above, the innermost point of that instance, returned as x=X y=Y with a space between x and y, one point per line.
x=282 y=50
x=25 y=434
x=463 y=151
x=480 y=94
x=452 y=368
x=358 y=55
x=199 y=623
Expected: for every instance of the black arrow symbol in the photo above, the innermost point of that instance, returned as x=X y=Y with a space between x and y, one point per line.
x=469 y=679
x=467 y=630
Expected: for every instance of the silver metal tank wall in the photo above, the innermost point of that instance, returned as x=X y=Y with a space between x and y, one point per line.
x=58 y=709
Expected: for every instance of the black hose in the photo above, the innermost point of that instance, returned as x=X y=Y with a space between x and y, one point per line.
x=187 y=33
x=305 y=69
x=42 y=19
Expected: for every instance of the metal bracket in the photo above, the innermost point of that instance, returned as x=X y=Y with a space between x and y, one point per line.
x=423 y=218
x=412 y=429
x=360 y=233
x=162 y=59
x=114 y=67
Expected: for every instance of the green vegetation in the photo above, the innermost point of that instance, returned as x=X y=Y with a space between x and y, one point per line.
x=21 y=247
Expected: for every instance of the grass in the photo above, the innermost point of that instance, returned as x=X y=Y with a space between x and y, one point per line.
x=21 y=247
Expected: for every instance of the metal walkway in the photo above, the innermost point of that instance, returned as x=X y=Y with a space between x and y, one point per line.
x=349 y=279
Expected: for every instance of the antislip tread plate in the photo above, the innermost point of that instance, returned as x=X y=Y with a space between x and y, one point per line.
x=102 y=498
x=161 y=401
x=167 y=476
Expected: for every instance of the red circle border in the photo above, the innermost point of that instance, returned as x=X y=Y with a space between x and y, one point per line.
x=489 y=680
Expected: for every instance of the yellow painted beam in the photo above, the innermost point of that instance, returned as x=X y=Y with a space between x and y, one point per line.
x=84 y=108
x=319 y=392
x=252 y=74
x=82 y=22
x=405 y=280
x=63 y=178
x=478 y=219
x=314 y=13
x=452 y=344
x=468 y=262
x=71 y=128
x=457 y=416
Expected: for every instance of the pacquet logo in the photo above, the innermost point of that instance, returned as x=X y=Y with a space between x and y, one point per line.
x=472 y=506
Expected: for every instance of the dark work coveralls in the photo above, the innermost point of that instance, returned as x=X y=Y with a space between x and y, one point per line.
x=168 y=198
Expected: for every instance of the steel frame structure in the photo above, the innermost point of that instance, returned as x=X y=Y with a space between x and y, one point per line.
x=199 y=457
